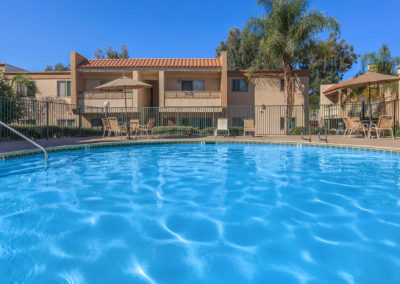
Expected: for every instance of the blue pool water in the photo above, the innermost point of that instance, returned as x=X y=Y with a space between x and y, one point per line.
x=201 y=214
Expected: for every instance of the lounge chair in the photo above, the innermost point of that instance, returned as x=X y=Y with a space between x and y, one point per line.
x=354 y=125
x=106 y=126
x=385 y=123
x=114 y=127
x=147 y=128
x=133 y=126
x=249 y=127
x=222 y=125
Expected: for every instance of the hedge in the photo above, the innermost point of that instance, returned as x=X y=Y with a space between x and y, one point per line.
x=40 y=132
x=175 y=130
x=302 y=129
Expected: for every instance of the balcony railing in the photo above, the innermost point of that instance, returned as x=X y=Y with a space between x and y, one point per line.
x=104 y=95
x=193 y=94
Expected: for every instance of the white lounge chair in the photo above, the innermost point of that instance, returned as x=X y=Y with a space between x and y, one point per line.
x=222 y=125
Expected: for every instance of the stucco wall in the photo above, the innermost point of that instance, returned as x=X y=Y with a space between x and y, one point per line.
x=240 y=98
x=268 y=91
x=192 y=102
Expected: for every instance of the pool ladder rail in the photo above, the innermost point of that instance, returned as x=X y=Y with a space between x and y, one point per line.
x=46 y=155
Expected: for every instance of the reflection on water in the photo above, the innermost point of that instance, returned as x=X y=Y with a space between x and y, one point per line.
x=201 y=214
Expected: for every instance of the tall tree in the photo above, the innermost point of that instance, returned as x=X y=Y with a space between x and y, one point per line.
x=243 y=49
x=11 y=107
x=110 y=53
x=327 y=61
x=99 y=54
x=57 y=67
x=381 y=61
x=289 y=26
x=124 y=52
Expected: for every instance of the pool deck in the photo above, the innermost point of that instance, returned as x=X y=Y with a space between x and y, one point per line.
x=391 y=145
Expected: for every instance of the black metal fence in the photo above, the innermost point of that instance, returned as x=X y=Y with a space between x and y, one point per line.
x=46 y=120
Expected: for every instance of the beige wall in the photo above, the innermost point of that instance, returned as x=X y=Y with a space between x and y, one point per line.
x=173 y=80
x=268 y=91
x=323 y=99
x=192 y=102
x=240 y=98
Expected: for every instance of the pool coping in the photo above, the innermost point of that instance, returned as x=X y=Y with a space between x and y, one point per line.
x=31 y=152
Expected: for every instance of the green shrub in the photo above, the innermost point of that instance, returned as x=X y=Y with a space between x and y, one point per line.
x=302 y=129
x=233 y=131
x=175 y=130
x=40 y=132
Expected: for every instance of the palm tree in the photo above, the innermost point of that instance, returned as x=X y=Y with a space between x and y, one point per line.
x=287 y=28
x=382 y=62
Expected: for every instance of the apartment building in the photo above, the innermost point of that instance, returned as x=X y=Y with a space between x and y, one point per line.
x=178 y=85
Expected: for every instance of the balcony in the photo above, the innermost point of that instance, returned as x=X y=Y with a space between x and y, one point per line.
x=93 y=101
x=192 y=98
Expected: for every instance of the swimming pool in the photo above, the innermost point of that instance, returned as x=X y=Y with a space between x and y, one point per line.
x=223 y=213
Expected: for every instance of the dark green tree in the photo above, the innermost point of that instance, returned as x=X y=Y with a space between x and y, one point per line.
x=124 y=52
x=11 y=106
x=327 y=61
x=110 y=53
x=57 y=67
x=382 y=62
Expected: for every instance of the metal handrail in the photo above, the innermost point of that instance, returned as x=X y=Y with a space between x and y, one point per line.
x=46 y=155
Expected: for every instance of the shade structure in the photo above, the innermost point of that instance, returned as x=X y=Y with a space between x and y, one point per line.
x=364 y=80
x=370 y=78
x=124 y=83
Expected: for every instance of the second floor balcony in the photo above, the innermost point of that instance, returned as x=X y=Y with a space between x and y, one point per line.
x=192 y=98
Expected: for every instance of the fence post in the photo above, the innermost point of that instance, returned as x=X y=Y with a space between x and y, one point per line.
x=47 y=120
x=394 y=118
x=79 y=121
x=328 y=129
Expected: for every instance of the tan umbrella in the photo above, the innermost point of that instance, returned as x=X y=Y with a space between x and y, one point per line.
x=366 y=80
x=124 y=83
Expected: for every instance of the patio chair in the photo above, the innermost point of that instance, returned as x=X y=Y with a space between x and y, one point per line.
x=106 y=126
x=147 y=128
x=114 y=127
x=385 y=122
x=354 y=125
x=171 y=123
x=249 y=127
x=133 y=126
x=222 y=125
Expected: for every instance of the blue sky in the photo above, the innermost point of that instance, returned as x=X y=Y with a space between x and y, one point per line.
x=37 y=33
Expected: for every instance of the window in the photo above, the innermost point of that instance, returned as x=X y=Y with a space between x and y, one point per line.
x=63 y=88
x=193 y=85
x=239 y=85
x=26 y=91
x=96 y=122
x=66 y=122
x=294 y=84
x=292 y=123
x=282 y=85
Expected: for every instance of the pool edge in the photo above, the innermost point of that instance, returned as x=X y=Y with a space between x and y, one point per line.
x=24 y=153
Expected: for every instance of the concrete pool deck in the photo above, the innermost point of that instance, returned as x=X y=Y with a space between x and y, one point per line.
x=23 y=148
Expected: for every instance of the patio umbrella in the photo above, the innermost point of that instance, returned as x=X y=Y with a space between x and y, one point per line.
x=124 y=83
x=366 y=80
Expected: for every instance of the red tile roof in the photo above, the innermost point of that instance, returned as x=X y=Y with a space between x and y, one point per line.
x=151 y=62
x=337 y=86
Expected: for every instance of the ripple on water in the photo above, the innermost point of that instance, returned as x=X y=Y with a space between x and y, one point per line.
x=201 y=214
